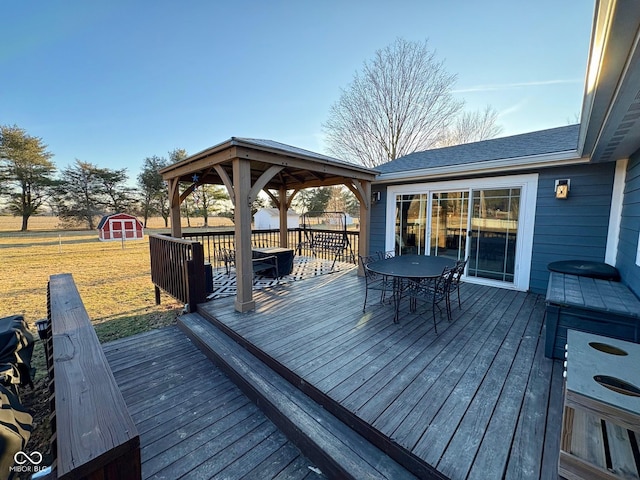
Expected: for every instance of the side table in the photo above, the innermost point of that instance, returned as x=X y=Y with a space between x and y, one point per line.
x=601 y=418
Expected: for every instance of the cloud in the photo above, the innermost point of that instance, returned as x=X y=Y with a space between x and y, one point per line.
x=505 y=86
x=512 y=109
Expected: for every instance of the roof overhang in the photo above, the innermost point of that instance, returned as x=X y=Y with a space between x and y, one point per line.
x=488 y=167
x=610 y=127
x=300 y=168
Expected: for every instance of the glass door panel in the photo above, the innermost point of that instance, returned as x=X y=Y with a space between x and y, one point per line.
x=410 y=224
x=449 y=223
x=494 y=228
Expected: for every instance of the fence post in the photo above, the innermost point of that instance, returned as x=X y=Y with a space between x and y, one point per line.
x=196 y=279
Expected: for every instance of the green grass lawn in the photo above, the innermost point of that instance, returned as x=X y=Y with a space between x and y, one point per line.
x=114 y=282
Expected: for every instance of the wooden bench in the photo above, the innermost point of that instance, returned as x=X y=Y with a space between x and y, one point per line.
x=589 y=305
x=94 y=436
x=333 y=243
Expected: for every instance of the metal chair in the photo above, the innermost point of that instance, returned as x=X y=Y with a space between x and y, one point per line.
x=374 y=281
x=434 y=290
x=228 y=256
x=456 y=279
x=388 y=254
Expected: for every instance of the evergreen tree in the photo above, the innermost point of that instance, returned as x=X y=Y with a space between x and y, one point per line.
x=26 y=172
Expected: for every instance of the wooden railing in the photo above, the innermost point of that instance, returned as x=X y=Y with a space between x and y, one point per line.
x=177 y=267
x=212 y=242
x=94 y=436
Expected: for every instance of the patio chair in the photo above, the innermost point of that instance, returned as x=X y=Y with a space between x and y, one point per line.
x=228 y=256
x=456 y=279
x=430 y=290
x=388 y=254
x=374 y=281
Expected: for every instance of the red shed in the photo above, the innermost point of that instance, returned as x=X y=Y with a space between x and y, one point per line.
x=120 y=226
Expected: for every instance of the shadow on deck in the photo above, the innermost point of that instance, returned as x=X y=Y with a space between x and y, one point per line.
x=477 y=400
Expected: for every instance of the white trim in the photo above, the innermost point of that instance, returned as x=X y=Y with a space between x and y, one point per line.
x=528 y=184
x=486 y=167
x=615 y=212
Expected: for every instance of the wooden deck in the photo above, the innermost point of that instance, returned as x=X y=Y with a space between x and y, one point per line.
x=193 y=421
x=479 y=400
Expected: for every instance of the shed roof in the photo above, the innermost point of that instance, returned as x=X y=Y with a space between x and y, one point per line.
x=551 y=141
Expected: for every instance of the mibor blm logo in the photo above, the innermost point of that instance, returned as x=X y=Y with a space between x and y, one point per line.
x=27 y=462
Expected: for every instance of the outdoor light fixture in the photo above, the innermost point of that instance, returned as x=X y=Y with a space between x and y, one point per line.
x=562 y=188
x=42 y=326
x=375 y=197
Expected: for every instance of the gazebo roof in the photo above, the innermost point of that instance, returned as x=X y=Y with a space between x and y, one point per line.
x=302 y=168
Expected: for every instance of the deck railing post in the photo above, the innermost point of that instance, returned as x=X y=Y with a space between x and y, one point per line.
x=195 y=277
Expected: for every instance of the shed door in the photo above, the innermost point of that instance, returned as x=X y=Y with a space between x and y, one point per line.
x=129 y=229
x=116 y=228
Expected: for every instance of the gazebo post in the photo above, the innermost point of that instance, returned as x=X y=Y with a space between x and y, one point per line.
x=284 y=217
x=174 y=199
x=244 y=269
x=365 y=222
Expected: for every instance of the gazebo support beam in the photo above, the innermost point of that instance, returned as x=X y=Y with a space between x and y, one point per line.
x=283 y=208
x=174 y=199
x=362 y=191
x=244 y=268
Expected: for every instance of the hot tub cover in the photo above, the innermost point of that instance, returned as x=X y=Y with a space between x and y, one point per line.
x=586 y=268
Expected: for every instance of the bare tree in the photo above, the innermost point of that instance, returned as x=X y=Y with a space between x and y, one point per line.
x=401 y=102
x=472 y=127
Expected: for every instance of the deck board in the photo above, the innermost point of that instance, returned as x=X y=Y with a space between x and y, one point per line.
x=193 y=421
x=476 y=400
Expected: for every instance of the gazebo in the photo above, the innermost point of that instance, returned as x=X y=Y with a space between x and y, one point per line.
x=245 y=167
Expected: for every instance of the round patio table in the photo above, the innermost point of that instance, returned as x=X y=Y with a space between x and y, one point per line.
x=409 y=266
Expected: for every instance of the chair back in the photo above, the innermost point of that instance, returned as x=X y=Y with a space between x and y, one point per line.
x=443 y=282
x=364 y=261
x=458 y=271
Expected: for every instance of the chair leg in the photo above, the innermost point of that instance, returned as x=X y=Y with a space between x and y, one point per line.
x=459 y=303
x=366 y=291
x=433 y=308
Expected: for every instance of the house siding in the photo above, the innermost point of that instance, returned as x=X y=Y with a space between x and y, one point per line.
x=575 y=228
x=378 y=222
x=630 y=227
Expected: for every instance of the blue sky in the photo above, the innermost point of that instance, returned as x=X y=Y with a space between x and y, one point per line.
x=111 y=82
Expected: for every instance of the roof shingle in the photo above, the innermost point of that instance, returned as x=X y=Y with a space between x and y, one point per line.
x=554 y=140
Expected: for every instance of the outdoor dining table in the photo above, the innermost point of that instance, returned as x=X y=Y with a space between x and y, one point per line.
x=414 y=267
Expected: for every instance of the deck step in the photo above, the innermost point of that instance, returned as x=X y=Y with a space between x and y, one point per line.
x=339 y=451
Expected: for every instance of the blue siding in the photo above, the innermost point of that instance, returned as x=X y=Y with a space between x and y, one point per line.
x=378 y=222
x=630 y=226
x=575 y=228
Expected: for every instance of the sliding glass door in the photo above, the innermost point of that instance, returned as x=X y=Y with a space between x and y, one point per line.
x=449 y=221
x=490 y=222
x=410 y=225
x=494 y=233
